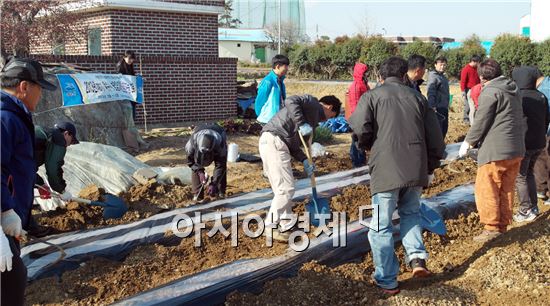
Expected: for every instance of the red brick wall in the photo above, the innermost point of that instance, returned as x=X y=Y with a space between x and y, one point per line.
x=146 y=32
x=177 y=89
x=78 y=45
x=164 y=33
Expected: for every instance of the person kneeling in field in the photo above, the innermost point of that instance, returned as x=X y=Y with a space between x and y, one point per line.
x=280 y=142
x=500 y=129
x=402 y=133
x=207 y=144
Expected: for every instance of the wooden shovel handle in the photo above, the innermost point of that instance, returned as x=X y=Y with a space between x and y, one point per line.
x=308 y=154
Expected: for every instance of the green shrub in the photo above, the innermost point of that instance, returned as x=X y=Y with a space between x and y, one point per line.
x=456 y=59
x=513 y=50
x=428 y=50
x=472 y=46
x=322 y=135
x=376 y=50
x=543 y=56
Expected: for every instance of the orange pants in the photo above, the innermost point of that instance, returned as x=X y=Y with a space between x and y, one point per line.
x=494 y=193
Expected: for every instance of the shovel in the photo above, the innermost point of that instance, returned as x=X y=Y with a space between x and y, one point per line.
x=113 y=207
x=316 y=206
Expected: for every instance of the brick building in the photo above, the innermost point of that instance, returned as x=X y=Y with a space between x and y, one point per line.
x=185 y=80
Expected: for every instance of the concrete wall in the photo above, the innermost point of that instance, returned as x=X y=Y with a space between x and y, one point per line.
x=244 y=52
x=241 y=50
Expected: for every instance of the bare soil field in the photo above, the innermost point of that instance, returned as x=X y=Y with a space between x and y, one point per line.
x=515 y=267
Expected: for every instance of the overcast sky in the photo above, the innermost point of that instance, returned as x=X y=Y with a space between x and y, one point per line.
x=448 y=18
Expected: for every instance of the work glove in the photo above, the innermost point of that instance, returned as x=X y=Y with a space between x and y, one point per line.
x=11 y=223
x=5 y=253
x=212 y=190
x=45 y=192
x=430 y=179
x=202 y=176
x=308 y=168
x=305 y=129
x=66 y=196
x=464 y=148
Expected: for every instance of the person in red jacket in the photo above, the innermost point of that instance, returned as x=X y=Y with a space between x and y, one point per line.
x=359 y=86
x=473 y=95
x=468 y=79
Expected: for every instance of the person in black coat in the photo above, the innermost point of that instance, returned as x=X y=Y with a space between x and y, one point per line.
x=535 y=111
x=126 y=66
x=395 y=123
x=207 y=144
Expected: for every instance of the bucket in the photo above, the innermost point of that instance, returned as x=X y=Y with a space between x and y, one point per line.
x=232 y=152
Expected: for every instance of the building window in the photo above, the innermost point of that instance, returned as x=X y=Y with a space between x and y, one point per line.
x=58 y=47
x=94 y=41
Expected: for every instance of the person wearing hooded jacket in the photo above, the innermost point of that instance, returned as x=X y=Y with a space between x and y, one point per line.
x=357 y=88
x=279 y=143
x=499 y=130
x=207 y=144
x=535 y=110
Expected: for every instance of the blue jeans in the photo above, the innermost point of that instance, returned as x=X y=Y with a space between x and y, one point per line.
x=407 y=202
x=358 y=157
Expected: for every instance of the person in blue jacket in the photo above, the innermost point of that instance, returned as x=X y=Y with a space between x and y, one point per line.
x=22 y=81
x=271 y=92
x=542 y=166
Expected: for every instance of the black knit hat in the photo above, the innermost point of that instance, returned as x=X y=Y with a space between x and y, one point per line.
x=26 y=69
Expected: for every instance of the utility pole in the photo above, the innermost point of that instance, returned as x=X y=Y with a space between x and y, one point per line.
x=279 y=46
x=317 y=31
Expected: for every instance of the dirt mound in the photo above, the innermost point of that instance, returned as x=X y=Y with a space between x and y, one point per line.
x=143 y=201
x=76 y=215
x=246 y=126
x=350 y=200
x=514 y=267
x=454 y=174
x=102 y=281
x=331 y=163
x=153 y=197
x=457 y=131
x=315 y=285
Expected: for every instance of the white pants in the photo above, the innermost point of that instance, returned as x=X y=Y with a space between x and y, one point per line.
x=472 y=107
x=277 y=165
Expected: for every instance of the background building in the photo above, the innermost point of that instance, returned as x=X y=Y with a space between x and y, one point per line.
x=537 y=24
x=404 y=40
x=248 y=45
x=177 y=41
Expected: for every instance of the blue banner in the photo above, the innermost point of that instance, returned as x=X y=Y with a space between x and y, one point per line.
x=86 y=88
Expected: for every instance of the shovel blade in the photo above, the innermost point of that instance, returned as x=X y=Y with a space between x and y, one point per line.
x=317 y=206
x=113 y=207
